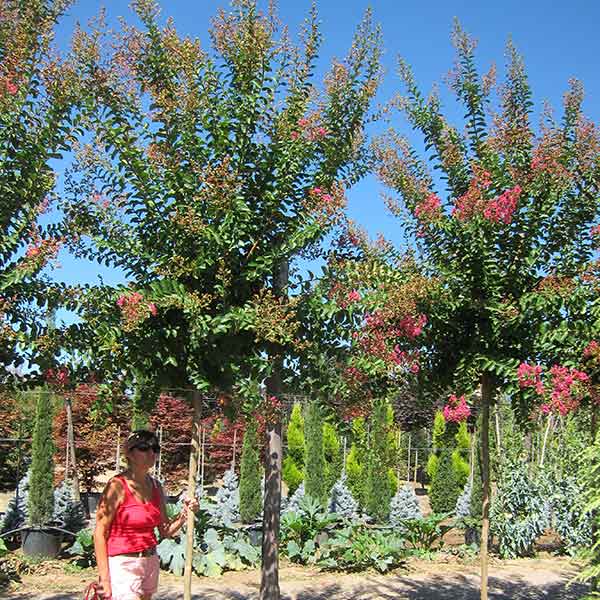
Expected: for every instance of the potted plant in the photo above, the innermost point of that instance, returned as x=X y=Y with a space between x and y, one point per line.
x=40 y=538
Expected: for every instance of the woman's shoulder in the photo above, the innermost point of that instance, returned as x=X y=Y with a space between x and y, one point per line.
x=116 y=485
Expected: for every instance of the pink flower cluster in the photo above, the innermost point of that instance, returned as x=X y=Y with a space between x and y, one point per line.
x=530 y=376
x=592 y=350
x=411 y=326
x=135 y=309
x=565 y=395
x=354 y=296
x=58 y=377
x=309 y=131
x=10 y=87
x=430 y=210
x=40 y=252
x=377 y=337
x=564 y=391
x=456 y=410
x=502 y=208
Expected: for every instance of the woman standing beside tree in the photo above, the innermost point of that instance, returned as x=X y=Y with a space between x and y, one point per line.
x=131 y=507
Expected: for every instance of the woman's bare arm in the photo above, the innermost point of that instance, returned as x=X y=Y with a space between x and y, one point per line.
x=111 y=498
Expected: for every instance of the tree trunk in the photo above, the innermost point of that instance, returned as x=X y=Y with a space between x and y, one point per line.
x=269 y=581
x=269 y=584
x=191 y=492
x=71 y=451
x=487 y=397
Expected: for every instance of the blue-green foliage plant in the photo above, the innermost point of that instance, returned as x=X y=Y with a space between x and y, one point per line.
x=358 y=548
x=17 y=511
x=225 y=509
x=404 y=505
x=463 y=504
x=83 y=548
x=68 y=514
x=519 y=512
x=341 y=500
x=570 y=519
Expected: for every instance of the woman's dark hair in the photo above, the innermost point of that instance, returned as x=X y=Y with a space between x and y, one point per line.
x=141 y=437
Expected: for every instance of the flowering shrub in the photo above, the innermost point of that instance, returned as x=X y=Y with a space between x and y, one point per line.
x=562 y=393
x=457 y=409
x=135 y=310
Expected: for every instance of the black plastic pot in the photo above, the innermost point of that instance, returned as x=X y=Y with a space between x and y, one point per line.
x=41 y=542
x=473 y=536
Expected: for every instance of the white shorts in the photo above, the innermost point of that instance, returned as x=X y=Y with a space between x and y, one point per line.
x=132 y=576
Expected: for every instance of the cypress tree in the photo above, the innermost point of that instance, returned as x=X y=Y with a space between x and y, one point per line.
x=333 y=456
x=250 y=475
x=445 y=488
x=293 y=462
x=314 y=473
x=41 y=482
x=379 y=491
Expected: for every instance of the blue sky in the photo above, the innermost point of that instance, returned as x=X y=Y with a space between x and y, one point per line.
x=558 y=40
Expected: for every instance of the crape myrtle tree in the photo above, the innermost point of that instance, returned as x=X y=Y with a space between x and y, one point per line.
x=206 y=173
x=37 y=91
x=514 y=219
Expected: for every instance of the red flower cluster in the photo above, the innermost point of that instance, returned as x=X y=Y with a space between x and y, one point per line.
x=411 y=327
x=457 y=409
x=354 y=296
x=58 y=378
x=530 y=376
x=135 y=309
x=472 y=202
x=430 y=210
x=502 y=208
x=564 y=392
x=377 y=337
x=565 y=395
x=309 y=131
x=8 y=85
x=592 y=350
x=40 y=252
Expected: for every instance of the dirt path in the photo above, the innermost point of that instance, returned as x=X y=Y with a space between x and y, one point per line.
x=528 y=579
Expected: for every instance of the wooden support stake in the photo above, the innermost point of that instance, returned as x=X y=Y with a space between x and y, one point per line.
x=191 y=492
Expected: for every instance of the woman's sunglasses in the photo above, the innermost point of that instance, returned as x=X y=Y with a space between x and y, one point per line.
x=145 y=447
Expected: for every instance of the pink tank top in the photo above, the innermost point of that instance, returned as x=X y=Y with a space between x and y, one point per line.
x=132 y=528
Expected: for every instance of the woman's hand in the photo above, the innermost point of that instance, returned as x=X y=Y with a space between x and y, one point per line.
x=190 y=504
x=104 y=589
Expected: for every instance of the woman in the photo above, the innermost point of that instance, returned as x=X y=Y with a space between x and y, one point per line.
x=131 y=507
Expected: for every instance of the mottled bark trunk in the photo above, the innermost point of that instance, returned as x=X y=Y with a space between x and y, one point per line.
x=269 y=582
x=487 y=397
x=191 y=492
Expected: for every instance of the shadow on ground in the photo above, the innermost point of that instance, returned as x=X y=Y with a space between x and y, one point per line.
x=433 y=587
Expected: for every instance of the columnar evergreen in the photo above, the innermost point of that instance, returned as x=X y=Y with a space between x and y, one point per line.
x=293 y=463
x=445 y=488
x=378 y=492
x=250 y=475
x=41 y=483
x=315 y=484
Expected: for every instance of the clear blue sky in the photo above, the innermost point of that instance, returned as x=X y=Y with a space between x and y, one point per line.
x=558 y=40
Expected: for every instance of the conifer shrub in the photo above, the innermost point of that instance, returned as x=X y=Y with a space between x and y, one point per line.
x=41 y=483
x=69 y=514
x=379 y=492
x=404 y=505
x=226 y=508
x=333 y=455
x=250 y=475
x=314 y=471
x=341 y=500
x=293 y=462
x=17 y=510
x=445 y=489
